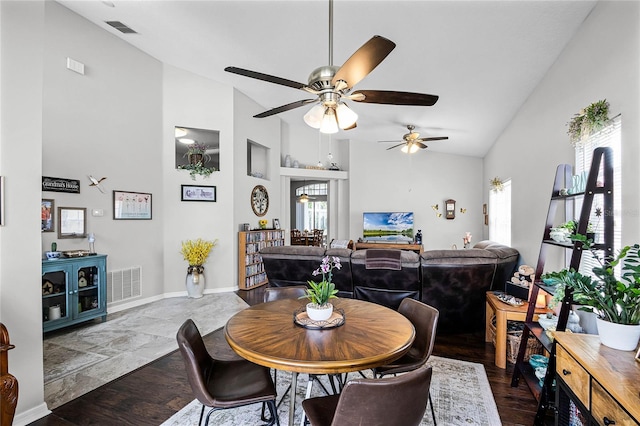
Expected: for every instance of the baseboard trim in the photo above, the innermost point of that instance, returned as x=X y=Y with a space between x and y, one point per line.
x=26 y=417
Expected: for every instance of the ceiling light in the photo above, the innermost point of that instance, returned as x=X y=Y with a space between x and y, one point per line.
x=314 y=117
x=346 y=116
x=410 y=148
x=186 y=141
x=329 y=122
x=180 y=132
x=304 y=198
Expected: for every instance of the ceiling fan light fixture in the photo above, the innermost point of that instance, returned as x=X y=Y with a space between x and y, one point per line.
x=329 y=122
x=304 y=198
x=410 y=148
x=346 y=116
x=314 y=116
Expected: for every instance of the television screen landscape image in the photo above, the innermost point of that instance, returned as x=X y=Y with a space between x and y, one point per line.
x=393 y=227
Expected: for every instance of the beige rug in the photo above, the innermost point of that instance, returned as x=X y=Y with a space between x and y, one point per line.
x=460 y=391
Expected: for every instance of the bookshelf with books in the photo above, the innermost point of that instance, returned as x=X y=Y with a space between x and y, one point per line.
x=251 y=272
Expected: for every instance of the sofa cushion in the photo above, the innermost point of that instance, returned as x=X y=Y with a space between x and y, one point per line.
x=458 y=257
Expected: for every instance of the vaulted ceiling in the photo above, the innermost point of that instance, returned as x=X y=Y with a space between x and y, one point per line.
x=483 y=58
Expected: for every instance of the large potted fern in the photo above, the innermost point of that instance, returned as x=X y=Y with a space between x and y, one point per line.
x=615 y=301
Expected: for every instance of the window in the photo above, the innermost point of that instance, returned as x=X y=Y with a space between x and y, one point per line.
x=500 y=214
x=312 y=214
x=609 y=136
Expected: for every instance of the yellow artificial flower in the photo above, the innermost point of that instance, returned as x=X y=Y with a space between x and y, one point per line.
x=196 y=251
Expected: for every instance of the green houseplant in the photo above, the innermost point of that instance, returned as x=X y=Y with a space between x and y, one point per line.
x=588 y=121
x=197 y=155
x=614 y=300
x=319 y=294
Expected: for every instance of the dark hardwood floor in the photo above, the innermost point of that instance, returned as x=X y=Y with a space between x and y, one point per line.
x=153 y=393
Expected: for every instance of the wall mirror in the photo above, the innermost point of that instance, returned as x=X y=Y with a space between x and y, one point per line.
x=72 y=222
x=187 y=137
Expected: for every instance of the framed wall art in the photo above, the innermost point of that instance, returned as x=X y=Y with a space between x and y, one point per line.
x=47 y=215
x=131 y=205
x=72 y=222
x=198 y=193
x=276 y=223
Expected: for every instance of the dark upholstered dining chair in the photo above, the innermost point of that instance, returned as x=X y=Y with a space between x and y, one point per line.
x=391 y=401
x=425 y=320
x=223 y=384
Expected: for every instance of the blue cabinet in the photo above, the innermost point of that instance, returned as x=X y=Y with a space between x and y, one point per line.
x=73 y=290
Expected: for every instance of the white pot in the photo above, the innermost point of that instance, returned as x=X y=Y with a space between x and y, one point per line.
x=319 y=312
x=618 y=336
x=195 y=283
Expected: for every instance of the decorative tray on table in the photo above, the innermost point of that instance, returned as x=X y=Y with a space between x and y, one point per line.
x=510 y=300
x=335 y=320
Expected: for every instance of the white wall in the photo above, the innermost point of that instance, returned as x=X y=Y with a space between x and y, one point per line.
x=105 y=123
x=596 y=64
x=382 y=180
x=193 y=101
x=21 y=70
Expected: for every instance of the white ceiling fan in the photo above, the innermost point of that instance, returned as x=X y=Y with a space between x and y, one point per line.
x=412 y=141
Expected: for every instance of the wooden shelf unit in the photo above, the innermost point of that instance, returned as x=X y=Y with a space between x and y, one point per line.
x=251 y=272
x=545 y=394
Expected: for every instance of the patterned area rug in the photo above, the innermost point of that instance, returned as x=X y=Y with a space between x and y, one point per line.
x=460 y=391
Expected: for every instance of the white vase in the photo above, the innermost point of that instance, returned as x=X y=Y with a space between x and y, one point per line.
x=319 y=312
x=195 y=282
x=618 y=336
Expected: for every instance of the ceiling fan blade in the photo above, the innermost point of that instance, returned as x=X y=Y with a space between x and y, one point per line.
x=364 y=60
x=284 y=108
x=393 y=98
x=395 y=146
x=267 y=77
x=389 y=141
x=439 y=138
x=420 y=144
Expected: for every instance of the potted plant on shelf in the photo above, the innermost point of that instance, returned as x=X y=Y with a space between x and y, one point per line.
x=588 y=121
x=197 y=155
x=615 y=301
x=319 y=308
x=196 y=252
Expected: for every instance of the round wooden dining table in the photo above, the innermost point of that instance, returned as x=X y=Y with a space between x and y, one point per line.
x=266 y=334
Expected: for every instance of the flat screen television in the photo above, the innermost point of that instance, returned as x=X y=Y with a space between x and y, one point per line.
x=393 y=227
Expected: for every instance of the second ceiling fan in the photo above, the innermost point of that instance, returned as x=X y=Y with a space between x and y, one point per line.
x=331 y=85
x=412 y=141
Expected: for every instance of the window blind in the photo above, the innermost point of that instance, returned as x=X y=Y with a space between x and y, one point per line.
x=500 y=214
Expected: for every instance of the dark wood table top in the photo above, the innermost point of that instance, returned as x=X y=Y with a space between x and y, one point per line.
x=372 y=335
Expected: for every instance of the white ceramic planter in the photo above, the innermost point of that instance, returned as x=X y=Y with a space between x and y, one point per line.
x=618 y=336
x=319 y=313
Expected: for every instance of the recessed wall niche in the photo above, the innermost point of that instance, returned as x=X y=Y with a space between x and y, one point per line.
x=188 y=136
x=257 y=160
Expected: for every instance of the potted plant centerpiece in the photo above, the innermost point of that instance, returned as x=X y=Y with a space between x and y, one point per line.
x=319 y=308
x=196 y=252
x=197 y=155
x=615 y=301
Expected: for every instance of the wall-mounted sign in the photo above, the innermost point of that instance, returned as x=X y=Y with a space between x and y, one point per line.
x=60 y=185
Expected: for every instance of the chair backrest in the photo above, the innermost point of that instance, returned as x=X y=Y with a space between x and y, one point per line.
x=296 y=237
x=425 y=320
x=318 y=237
x=390 y=401
x=278 y=293
x=197 y=360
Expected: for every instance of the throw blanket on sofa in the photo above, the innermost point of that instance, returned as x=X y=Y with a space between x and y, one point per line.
x=383 y=259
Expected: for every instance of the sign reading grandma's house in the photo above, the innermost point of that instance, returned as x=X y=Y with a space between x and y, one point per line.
x=60 y=185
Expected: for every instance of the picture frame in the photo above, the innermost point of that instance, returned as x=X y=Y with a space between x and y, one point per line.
x=276 y=223
x=47 y=213
x=198 y=193
x=72 y=222
x=484 y=209
x=129 y=205
x=246 y=227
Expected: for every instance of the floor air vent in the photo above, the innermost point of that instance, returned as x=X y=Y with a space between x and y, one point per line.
x=124 y=284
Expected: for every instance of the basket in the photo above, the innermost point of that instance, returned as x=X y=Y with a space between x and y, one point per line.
x=514 y=336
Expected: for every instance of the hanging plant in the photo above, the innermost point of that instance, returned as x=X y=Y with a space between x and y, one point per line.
x=588 y=121
x=197 y=155
x=496 y=184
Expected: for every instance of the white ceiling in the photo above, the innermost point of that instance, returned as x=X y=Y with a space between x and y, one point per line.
x=483 y=58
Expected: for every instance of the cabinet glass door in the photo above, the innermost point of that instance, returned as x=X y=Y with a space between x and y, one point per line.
x=54 y=296
x=88 y=297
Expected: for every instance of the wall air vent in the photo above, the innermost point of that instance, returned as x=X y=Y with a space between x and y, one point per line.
x=121 y=27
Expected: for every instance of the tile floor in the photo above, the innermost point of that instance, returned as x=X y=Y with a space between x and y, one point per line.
x=82 y=358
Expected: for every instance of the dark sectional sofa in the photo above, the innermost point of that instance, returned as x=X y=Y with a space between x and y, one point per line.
x=453 y=281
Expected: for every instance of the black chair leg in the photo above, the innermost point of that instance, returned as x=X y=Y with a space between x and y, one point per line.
x=273 y=410
x=433 y=413
x=201 y=414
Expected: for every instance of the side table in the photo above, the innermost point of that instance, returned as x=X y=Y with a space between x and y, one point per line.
x=503 y=313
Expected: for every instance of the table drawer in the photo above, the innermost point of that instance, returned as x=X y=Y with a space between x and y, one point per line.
x=573 y=374
x=603 y=406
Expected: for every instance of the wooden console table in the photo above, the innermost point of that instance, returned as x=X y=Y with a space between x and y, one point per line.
x=399 y=246
x=603 y=383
